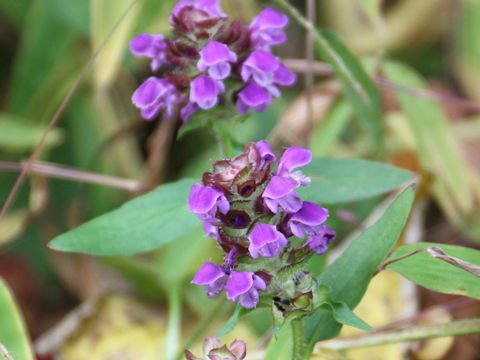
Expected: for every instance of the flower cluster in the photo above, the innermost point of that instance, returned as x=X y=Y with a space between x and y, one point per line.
x=249 y=204
x=213 y=349
x=205 y=50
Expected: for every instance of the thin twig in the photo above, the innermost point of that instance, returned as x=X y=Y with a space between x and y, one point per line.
x=436 y=253
x=320 y=68
x=310 y=55
x=417 y=332
x=63 y=172
x=4 y=352
x=58 y=114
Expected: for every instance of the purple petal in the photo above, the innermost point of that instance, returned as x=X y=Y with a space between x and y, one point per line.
x=290 y=203
x=319 y=242
x=310 y=214
x=266 y=153
x=253 y=96
x=250 y=299
x=149 y=92
x=259 y=283
x=204 y=91
x=265 y=240
x=207 y=274
x=203 y=199
x=279 y=187
x=269 y=18
x=188 y=111
x=238 y=283
x=292 y=158
x=149 y=112
x=210 y=229
x=262 y=234
x=141 y=45
x=267 y=29
x=220 y=71
x=210 y=6
x=260 y=65
x=283 y=76
x=216 y=52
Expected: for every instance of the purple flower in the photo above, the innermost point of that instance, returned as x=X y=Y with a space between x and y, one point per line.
x=213 y=276
x=215 y=57
x=151 y=46
x=260 y=66
x=188 y=111
x=292 y=158
x=264 y=68
x=253 y=96
x=279 y=192
x=308 y=219
x=155 y=95
x=266 y=29
x=243 y=287
x=214 y=349
x=266 y=153
x=205 y=200
x=265 y=240
x=211 y=7
x=319 y=241
x=210 y=229
x=283 y=76
x=204 y=91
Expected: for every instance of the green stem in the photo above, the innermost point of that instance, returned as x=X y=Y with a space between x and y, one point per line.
x=174 y=320
x=298 y=336
x=419 y=332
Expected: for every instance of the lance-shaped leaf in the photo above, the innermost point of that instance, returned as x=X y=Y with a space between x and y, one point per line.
x=348 y=277
x=13 y=336
x=357 y=85
x=142 y=224
x=342 y=180
x=452 y=272
x=438 y=150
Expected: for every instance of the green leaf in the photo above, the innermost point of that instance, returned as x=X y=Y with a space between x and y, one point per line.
x=12 y=331
x=359 y=88
x=344 y=315
x=436 y=274
x=348 y=277
x=17 y=134
x=142 y=224
x=230 y=324
x=437 y=147
x=280 y=348
x=341 y=312
x=343 y=180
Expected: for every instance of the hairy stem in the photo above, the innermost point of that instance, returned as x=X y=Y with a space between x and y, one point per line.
x=298 y=336
x=418 y=332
